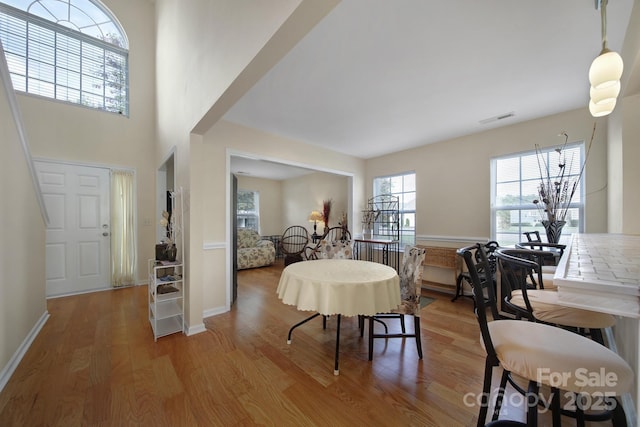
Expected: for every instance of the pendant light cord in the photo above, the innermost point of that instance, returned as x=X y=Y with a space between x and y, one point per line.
x=603 y=16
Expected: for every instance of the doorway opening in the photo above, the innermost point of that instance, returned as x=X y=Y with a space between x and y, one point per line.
x=165 y=185
x=290 y=210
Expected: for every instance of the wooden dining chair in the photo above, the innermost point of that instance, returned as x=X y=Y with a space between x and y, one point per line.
x=527 y=349
x=410 y=293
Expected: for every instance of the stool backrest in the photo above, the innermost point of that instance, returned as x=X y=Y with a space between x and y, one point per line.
x=484 y=296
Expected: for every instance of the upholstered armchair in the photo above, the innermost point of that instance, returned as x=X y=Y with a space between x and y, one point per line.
x=252 y=251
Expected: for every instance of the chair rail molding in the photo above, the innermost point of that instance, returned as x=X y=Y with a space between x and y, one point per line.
x=208 y=246
x=452 y=239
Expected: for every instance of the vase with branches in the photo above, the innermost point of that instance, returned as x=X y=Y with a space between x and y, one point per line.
x=558 y=185
x=369 y=217
x=326 y=212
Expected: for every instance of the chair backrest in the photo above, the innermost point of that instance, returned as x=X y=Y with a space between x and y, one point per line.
x=411 y=280
x=481 y=264
x=483 y=291
x=531 y=256
x=294 y=240
x=335 y=234
x=490 y=252
x=533 y=236
x=336 y=249
x=335 y=243
x=518 y=271
x=552 y=251
x=490 y=248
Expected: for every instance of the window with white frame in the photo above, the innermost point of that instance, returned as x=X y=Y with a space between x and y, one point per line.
x=404 y=187
x=73 y=51
x=248 y=210
x=515 y=181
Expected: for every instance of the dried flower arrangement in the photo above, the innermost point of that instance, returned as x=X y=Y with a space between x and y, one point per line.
x=556 y=191
x=326 y=211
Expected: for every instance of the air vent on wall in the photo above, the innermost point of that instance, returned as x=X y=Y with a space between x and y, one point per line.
x=499 y=117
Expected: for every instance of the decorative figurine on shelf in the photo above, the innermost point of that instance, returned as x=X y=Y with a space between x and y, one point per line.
x=166 y=250
x=344 y=223
x=369 y=217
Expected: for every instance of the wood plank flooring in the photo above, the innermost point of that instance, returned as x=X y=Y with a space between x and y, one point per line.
x=95 y=363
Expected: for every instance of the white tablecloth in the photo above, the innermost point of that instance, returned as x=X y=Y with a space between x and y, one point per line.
x=340 y=286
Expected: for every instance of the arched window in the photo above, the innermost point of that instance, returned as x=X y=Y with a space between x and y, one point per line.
x=69 y=50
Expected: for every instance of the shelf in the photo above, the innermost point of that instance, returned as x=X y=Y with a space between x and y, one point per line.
x=166 y=280
x=169 y=296
x=168 y=326
x=166 y=309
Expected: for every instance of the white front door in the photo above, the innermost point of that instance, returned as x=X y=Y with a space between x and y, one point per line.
x=78 y=243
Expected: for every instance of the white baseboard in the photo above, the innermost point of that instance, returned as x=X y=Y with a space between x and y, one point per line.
x=213 y=311
x=192 y=330
x=10 y=368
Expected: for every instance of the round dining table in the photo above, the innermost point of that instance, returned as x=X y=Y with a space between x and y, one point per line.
x=342 y=287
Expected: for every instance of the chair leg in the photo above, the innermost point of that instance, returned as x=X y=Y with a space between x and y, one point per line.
x=500 y=396
x=555 y=407
x=580 y=420
x=596 y=335
x=370 y=338
x=458 y=288
x=402 y=326
x=486 y=389
x=618 y=417
x=416 y=326
x=532 y=404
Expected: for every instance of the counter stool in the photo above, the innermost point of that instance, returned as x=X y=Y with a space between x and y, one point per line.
x=542 y=355
x=541 y=304
x=490 y=248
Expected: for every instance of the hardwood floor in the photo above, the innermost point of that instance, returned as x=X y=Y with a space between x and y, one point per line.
x=95 y=364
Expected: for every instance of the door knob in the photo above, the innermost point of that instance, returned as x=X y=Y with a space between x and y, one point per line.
x=105 y=234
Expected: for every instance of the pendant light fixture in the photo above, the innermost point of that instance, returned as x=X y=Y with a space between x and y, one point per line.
x=604 y=73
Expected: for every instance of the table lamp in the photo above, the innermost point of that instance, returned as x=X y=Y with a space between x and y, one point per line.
x=314 y=217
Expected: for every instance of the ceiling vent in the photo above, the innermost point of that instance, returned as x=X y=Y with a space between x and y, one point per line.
x=496 y=118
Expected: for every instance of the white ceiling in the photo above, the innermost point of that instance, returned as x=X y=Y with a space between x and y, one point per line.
x=379 y=76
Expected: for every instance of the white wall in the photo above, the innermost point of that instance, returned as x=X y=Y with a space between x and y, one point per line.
x=288 y=202
x=306 y=194
x=22 y=253
x=453 y=177
x=69 y=132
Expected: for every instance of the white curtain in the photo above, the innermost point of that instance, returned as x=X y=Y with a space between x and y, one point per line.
x=123 y=231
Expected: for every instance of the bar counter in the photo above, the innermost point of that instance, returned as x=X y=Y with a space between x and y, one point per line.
x=601 y=272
